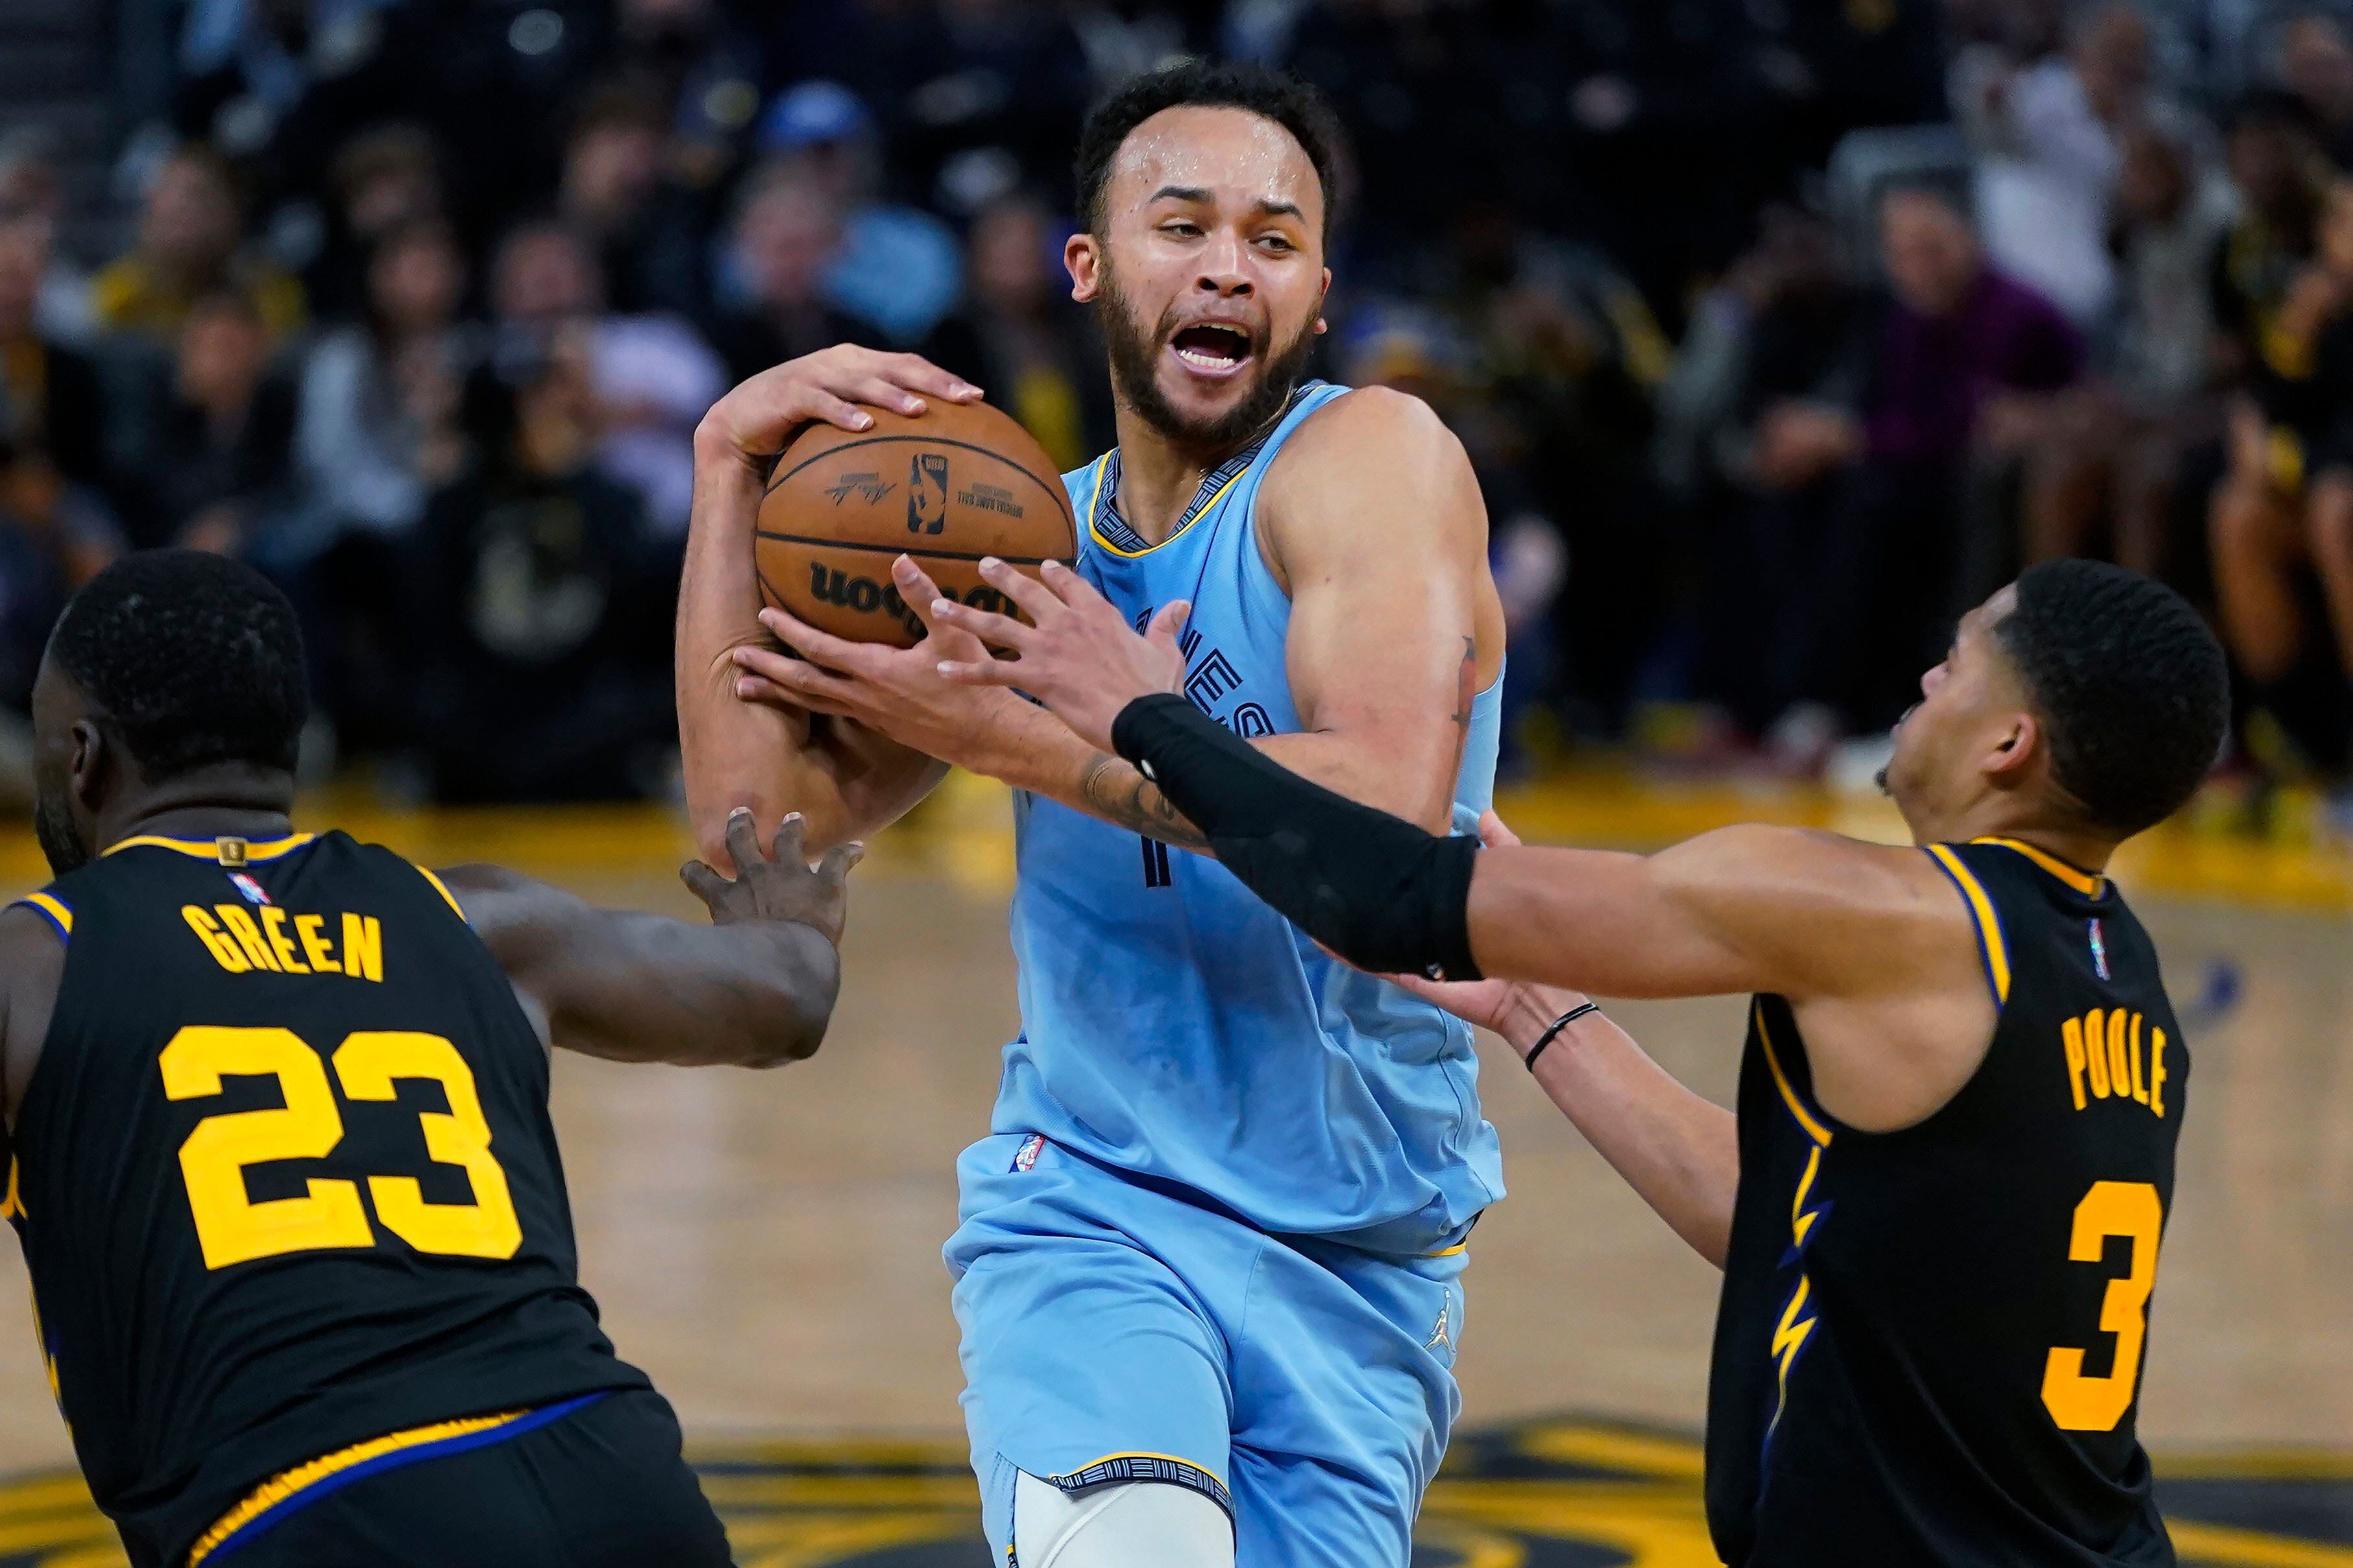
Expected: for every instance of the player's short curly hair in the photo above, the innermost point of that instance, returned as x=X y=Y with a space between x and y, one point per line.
x=1290 y=102
x=191 y=658
x=2132 y=688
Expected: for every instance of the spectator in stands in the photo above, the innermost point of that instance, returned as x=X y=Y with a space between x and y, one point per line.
x=225 y=458
x=897 y=268
x=615 y=193
x=652 y=377
x=1005 y=103
x=2047 y=134
x=32 y=196
x=2315 y=66
x=2280 y=175
x=377 y=426
x=787 y=234
x=2283 y=520
x=1959 y=371
x=53 y=405
x=1020 y=335
x=2103 y=479
x=703 y=67
x=381 y=180
x=1568 y=351
x=190 y=247
x=1759 y=434
x=53 y=539
x=1402 y=346
x=537 y=617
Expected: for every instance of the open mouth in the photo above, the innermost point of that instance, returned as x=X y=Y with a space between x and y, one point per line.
x=1212 y=348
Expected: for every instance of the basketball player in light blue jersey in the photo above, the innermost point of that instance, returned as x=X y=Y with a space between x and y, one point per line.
x=1208 y=1268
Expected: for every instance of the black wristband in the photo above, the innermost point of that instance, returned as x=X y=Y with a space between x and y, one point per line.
x=1563 y=1022
x=1379 y=891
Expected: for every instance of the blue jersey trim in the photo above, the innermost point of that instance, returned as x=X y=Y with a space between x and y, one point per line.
x=279 y=1512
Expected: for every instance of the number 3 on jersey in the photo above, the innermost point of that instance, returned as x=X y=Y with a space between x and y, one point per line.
x=2080 y=1404
x=233 y=1229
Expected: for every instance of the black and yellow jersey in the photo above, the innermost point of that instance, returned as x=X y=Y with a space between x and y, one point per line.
x=284 y=1176
x=1930 y=1342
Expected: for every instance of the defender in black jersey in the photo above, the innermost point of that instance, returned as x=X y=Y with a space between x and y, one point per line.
x=277 y=1142
x=1940 y=1204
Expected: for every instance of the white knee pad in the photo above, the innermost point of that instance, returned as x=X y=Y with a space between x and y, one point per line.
x=1120 y=1524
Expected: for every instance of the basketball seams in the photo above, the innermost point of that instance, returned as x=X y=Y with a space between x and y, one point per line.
x=1054 y=489
x=820 y=542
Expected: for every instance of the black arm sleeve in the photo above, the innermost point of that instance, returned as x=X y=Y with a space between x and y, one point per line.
x=1374 y=888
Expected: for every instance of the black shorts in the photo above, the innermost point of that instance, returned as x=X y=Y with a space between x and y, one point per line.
x=603 y=1486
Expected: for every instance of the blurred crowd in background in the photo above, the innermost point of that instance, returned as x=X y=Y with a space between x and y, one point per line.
x=1780 y=331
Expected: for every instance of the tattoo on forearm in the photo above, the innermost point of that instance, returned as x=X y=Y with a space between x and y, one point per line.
x=1119 y=793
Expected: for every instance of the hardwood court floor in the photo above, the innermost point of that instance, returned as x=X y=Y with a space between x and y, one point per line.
x=767 y=1245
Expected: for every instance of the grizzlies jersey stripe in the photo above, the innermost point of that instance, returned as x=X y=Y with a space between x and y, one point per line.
x=1173 y=1027
x=286 y=1182
x=1930 y=1341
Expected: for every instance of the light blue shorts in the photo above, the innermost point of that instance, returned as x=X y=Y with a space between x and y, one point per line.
x=1118 y=1330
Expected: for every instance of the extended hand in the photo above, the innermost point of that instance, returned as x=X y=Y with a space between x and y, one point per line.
x=1081 y=659
x=898 y=691
x=784 y=888
x=760 y=418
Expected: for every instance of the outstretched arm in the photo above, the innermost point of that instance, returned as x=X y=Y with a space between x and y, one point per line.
x=844 y=778
x=755 y=988
x=1371 y=521
x=1678 y=1151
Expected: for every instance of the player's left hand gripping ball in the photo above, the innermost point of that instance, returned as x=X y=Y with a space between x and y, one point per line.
x=1081 y=659
x=897 y=692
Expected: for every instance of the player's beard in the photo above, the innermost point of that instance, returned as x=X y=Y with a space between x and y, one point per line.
x=1135 y=356
x=52 y=824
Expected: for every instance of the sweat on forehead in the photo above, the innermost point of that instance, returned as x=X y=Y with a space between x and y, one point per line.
x=1236 y=157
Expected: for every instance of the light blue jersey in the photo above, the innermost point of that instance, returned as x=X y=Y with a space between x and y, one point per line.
x=1174 y=1026
x=1215 y=1239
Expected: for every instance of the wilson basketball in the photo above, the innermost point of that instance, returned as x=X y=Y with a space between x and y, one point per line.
x=953 y=484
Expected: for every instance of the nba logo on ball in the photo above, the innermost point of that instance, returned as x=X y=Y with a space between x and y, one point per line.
x=927 y=492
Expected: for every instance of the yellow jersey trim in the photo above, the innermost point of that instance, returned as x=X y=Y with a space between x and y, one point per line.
x=52 y=907
x=209 y=848
x=1094 y=515
x=1806 y=1118
x=1456 y=1250
x=2083 y=882
x=442 y=888
x=12 y=1204
x=1989 y=938
x=277 y=1489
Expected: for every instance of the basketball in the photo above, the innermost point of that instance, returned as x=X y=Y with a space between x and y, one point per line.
x=948 y=487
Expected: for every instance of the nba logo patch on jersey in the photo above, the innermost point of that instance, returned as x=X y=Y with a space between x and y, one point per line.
x=1026 y=1157
x=255 y=893
x=2099 y=951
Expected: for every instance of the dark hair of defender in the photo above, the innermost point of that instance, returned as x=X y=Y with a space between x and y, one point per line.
x=1285 y=99
x=2130 y=684
x=191 y=659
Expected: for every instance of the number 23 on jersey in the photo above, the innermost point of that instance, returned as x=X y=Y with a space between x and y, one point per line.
x=233 y=1229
